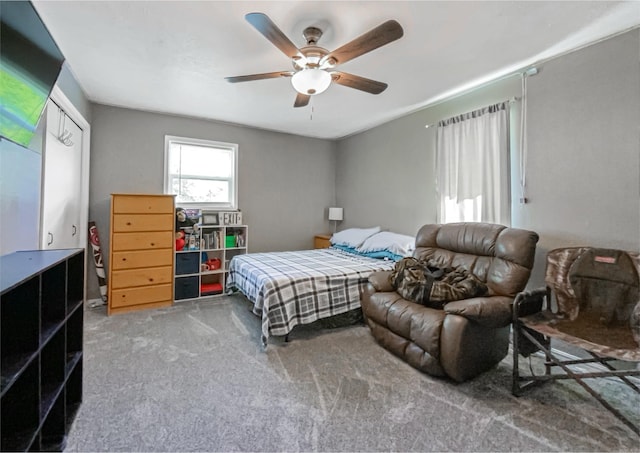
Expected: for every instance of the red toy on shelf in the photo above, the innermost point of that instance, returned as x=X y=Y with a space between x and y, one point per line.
x=210 y=288
x=211 y=264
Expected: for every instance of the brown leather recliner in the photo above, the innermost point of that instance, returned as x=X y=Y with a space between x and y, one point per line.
x=466 y=337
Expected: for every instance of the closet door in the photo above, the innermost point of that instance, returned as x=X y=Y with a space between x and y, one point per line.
x=61 y=187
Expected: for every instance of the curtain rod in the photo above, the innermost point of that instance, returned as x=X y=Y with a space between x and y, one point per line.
x=511 y=100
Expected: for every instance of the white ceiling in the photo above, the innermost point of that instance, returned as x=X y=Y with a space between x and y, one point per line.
x=172 y=56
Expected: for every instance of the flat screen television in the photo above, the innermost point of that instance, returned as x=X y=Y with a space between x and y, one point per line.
x=30 y=62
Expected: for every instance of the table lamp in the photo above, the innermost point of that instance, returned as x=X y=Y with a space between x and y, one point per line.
x=335 y=214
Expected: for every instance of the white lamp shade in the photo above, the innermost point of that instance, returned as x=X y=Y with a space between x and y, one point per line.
x=311 y=81
x=335 y=213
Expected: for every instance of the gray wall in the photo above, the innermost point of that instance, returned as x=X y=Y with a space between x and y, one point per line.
x=286 y=182
x=584 y=148
x=583 y=166
x=73 y=91
x=386 y=176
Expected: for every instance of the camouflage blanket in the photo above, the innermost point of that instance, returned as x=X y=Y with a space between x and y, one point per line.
x=421 y=282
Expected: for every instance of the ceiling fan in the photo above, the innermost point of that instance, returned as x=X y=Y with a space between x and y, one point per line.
x=313 y=65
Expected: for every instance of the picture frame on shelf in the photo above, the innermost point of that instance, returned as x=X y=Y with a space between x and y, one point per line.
x=211 y=218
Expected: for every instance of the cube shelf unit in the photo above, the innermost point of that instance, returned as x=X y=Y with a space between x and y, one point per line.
x=41 y=313
x=194 y=277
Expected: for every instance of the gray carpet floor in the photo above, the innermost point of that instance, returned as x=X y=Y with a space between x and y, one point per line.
x=194 y=377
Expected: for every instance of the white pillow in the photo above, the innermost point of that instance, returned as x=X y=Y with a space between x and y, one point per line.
x=353 y=237
x=400 y=244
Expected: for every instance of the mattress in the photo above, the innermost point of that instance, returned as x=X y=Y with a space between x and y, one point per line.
x=300 y=287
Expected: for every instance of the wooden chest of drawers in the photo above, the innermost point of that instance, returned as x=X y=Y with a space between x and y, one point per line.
x=141 y=252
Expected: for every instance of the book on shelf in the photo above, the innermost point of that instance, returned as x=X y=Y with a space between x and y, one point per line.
x=212 y=240
x=207 y=241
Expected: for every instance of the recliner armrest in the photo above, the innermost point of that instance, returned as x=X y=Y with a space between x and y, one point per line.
x=492 y=311
x=529 y=302
x=381 y=282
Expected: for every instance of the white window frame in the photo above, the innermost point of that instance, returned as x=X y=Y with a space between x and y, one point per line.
x=173 y=139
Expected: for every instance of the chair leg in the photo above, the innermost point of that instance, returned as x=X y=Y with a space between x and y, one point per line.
x=595 y=394
x=547 y=367
x=515 y=376
x=522 y=383
x=606 y=364
x=551 y=360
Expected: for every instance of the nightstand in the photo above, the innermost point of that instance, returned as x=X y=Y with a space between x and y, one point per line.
x=321 y=241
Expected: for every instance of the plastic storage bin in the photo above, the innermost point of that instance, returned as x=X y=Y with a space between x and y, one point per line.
x=187 y=263
x=187 y=287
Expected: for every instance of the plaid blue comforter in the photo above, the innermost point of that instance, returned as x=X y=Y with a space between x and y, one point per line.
x=291 y=288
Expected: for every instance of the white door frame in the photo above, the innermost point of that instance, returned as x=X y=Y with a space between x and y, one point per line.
x=72 y=112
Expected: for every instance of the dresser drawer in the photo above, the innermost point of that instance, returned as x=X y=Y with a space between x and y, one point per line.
x=141 y=277
x=145 y=258
x=139 y=296
x=143 y=241
x=142 y=222
x=136 y=204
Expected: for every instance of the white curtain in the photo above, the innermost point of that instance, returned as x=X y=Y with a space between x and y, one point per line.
x=472 y=165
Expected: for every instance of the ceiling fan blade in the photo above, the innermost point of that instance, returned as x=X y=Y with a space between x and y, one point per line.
x=371 y=40
x=269 y=30
x=301 y=100
x=357 y=82
x=266 y=75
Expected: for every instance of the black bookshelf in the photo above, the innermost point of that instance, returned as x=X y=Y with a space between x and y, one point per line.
x=41 y=316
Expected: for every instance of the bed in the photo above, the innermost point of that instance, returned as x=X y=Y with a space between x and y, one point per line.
x=299 y=287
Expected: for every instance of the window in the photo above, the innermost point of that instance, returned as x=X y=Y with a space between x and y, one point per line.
x=201 y=173
x=473 y=168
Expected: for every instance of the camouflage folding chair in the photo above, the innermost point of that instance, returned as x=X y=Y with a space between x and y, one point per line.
x=596 y=309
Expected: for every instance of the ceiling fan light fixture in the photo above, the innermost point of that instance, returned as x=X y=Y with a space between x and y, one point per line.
x=311 y=81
